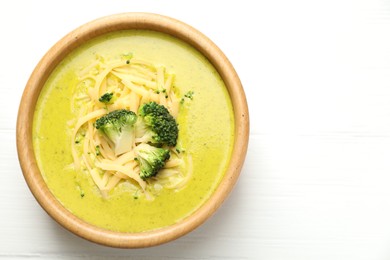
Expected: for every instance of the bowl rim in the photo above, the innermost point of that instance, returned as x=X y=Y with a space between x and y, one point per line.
x=92 y=29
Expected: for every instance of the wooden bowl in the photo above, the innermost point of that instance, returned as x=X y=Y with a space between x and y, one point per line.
x=38 y=78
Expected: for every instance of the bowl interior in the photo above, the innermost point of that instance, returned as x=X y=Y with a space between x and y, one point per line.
x=38 y=78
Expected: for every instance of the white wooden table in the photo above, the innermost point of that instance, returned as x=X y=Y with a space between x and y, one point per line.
x=316 y=182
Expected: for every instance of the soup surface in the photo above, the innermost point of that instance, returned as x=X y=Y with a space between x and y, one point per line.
x=206 y=132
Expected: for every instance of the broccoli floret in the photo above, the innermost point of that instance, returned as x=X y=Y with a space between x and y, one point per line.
x=158 y=126
x=97 y=150
x=188 y=95
x=127 y=56
x=151 y=159
x=106 y=98
x=118 y=126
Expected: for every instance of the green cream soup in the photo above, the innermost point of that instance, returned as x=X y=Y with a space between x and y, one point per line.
x=206 y=132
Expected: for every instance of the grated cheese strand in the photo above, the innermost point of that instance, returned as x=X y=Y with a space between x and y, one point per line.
x=133 y=84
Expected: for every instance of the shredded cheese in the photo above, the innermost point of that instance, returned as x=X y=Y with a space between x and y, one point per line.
x=133 y=82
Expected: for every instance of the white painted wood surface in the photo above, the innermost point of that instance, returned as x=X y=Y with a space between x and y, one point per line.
x=316 y=181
